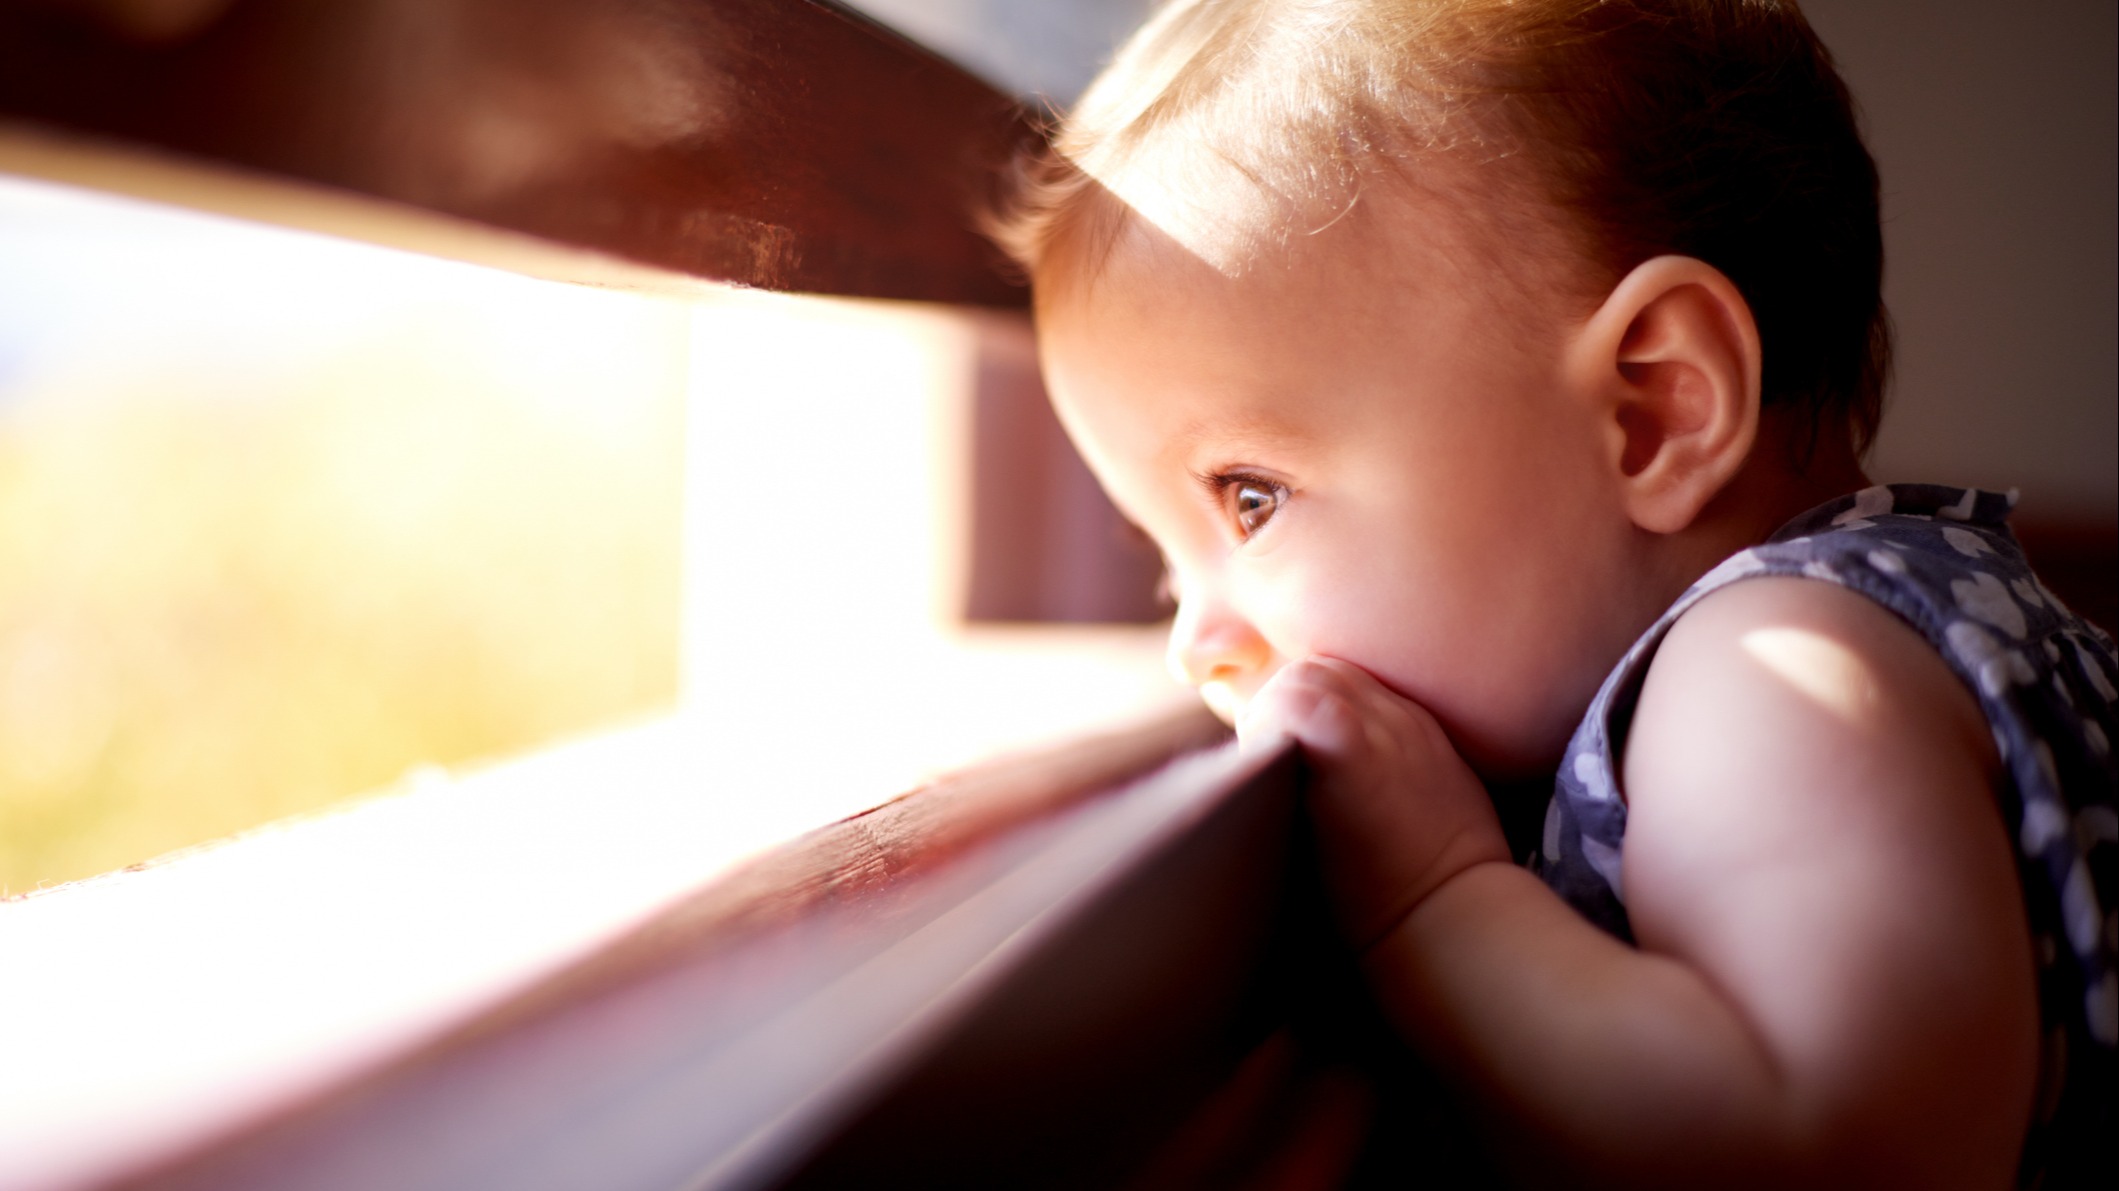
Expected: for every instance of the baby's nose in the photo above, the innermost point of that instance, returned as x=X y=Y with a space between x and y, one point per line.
x=1210 y=644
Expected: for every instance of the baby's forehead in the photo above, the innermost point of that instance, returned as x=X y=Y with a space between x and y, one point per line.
x=1389 y=243
x=1241 y=427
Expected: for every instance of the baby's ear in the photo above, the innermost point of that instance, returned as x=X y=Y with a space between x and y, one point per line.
x=1672 y=361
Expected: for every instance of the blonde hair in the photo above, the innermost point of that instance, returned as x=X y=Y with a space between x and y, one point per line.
x=1601 y=132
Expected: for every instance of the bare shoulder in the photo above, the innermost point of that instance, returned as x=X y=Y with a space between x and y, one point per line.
x=1800 y=653
x=1812 y=822
x=1790 y=723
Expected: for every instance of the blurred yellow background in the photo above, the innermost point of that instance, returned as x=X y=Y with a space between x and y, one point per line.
x=284 y=518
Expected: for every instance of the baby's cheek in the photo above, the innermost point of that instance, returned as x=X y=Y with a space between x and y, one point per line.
x=1413 y=653
x=1399 y=660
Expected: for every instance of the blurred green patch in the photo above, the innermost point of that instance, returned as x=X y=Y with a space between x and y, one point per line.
x=256 y=557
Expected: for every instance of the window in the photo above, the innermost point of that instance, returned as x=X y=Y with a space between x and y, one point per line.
x=651 y=572
x=291 y=518
x=285 y=518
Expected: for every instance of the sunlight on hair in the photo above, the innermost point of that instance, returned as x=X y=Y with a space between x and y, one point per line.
x=1224 y=231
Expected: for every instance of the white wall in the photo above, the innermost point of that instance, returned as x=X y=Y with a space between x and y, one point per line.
x=1996 y=128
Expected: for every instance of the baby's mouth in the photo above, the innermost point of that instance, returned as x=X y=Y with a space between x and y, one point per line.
x=1223 y=700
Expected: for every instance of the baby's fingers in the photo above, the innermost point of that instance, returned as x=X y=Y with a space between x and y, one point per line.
x=1397 y=810
x=1373 y=753
x=1335 y=709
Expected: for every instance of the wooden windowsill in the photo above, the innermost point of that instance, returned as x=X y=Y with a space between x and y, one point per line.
x=150 y=1009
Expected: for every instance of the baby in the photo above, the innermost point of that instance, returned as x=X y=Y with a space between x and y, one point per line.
x=1494 y=376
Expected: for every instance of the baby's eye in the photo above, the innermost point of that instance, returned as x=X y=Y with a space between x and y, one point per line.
x=1252 y=502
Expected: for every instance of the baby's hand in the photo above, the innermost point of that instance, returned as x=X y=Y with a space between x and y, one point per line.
x=1398 y=812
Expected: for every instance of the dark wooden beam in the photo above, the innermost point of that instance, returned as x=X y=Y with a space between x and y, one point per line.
x=1017 y=977
x=783 y=144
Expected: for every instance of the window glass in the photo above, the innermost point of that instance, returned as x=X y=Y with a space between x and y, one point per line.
x=285 y=517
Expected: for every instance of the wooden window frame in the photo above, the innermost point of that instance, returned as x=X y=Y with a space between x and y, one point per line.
x=1092 y=965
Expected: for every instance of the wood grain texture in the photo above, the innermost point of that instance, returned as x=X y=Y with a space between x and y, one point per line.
x=782 y=144
x=1087 y=1036
x=854 y=873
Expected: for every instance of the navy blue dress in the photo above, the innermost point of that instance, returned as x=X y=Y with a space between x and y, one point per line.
x=1944 y=561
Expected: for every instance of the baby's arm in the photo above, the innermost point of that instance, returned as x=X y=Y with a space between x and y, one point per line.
x=1833 y=983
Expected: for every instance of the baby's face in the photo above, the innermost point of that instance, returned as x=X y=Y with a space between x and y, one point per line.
x=1354 y=453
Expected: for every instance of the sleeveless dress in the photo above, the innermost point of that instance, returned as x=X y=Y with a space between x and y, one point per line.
x=1945 y=562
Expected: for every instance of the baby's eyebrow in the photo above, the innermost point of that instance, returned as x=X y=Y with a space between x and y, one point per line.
x=1238 y=434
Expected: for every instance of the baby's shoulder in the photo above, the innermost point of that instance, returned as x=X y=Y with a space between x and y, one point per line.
x=1791 y=689
x=1920 y=587
x=1942 y=563
x=1867 y=706
x=1868 y=639
x=1942 y=559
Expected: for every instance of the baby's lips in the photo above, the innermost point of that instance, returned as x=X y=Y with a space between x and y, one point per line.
x=1225 y=702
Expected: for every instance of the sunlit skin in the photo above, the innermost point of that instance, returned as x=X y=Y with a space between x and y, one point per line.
x=1425 y=491
x=1411 y=520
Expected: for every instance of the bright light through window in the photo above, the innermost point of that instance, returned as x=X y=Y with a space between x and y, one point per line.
x=283 y=517
x=615 y=590
x=286 y=518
